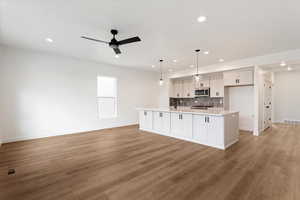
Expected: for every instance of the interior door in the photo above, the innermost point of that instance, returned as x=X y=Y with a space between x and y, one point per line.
x=267 y=104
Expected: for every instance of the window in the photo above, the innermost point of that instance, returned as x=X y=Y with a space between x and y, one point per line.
x=107 y=97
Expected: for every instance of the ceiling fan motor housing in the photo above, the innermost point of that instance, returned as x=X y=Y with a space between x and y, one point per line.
x=114 y=43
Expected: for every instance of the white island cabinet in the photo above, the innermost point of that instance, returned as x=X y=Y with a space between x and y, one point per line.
x=181 y=125
x=217 y=129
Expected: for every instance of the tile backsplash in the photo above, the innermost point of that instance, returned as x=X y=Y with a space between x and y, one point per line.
x=199 y=101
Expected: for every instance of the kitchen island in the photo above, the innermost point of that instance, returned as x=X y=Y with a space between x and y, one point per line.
x=215 y=128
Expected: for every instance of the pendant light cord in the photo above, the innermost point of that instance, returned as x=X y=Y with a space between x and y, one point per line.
x=197 y=52
x=160 y=68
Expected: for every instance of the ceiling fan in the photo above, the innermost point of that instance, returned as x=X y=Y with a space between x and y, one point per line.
x=114 y=44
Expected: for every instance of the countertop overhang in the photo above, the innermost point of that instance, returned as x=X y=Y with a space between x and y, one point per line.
x=213 y=112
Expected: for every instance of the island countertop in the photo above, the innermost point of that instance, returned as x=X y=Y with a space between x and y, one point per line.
x=213 y=112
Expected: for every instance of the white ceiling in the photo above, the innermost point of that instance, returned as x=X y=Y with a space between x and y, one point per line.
x=276 y=67
x=234 y=29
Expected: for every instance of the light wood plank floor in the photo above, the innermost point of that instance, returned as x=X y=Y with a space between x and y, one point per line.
x=127 y=164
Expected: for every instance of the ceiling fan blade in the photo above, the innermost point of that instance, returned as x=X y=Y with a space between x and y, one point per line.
x=129 y=40
x=117 y=50
x=88 y=38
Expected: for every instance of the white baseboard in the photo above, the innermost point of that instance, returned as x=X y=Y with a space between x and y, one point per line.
x=9 y=140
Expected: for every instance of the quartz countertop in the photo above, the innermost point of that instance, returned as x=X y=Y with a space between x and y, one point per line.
x=211 y=111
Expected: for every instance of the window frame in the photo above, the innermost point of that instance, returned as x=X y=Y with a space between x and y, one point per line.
x=115 y=98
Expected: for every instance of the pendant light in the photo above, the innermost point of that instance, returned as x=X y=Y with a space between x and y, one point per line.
x=197 y=75
x=161 y=81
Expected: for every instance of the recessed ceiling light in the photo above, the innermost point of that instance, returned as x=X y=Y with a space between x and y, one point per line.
x=192 y=66
x=49 y=40
x=289 y=69
x=221 y=60
x=201 y=19
x=153 y=66
x=174 y=60
x=117 y=56
x=206 y=52
x=282 y=64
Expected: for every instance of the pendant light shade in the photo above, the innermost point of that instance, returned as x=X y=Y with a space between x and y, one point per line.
x=161 y=81
x=197 y=75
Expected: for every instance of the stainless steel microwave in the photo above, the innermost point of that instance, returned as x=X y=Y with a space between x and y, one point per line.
x=205 y=92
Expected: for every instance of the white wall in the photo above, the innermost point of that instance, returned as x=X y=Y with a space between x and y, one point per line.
x=242 y=99
x=46 y=95
x=286 y=97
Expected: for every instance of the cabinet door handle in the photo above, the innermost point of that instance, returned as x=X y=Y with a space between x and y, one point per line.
x=181 y=117
x=145 y=113
x=207 y=119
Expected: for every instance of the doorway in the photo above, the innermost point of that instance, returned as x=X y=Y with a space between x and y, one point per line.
x=267 y=95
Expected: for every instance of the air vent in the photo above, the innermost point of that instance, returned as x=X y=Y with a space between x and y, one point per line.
x=11 y=171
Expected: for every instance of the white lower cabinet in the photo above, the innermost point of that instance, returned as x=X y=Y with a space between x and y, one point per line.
x=219 y=131
x=181 y=125
x=200 y=128
x=161 y=122
x=145 y=120
x=209 y=130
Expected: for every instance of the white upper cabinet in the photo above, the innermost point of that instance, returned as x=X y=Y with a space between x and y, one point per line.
x=245 y=78
x=177 y=89
x=183 y=88
x=238 y=78
x=202 y=84
x=217 y=88
x=188 y=88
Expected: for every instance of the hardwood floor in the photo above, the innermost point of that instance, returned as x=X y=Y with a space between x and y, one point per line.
x=127 y=164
